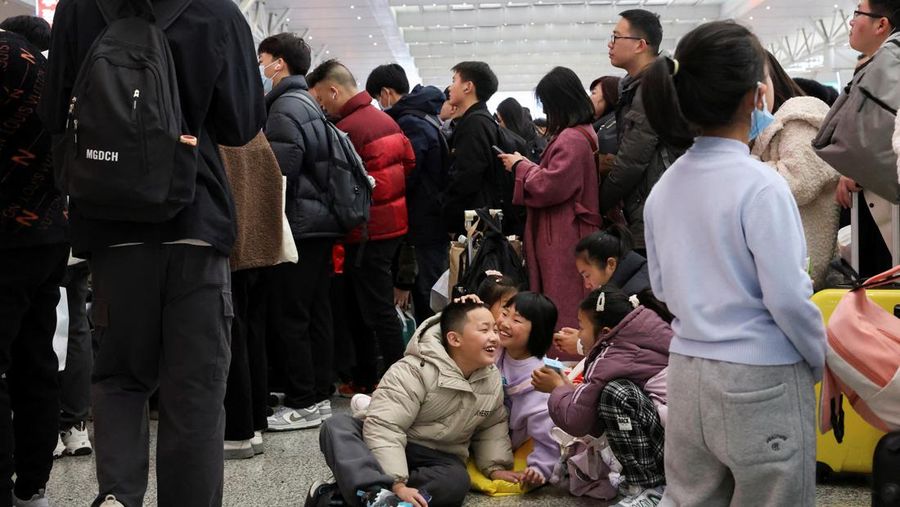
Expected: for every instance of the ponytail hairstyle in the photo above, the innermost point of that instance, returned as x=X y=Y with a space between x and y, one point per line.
x=608 y=306
x=597 y=248
x=494 y=288
x=714 y=67
x=542 y=314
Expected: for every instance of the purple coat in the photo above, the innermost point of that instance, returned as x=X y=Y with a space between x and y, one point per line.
x=562 y=198
x=636 y=350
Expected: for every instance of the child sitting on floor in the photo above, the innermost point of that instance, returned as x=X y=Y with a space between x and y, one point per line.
x=526 y=331
x=495 y=291
x=443 y=398
x=624 y=382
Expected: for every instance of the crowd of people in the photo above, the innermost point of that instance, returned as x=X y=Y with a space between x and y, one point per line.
x=674 y=222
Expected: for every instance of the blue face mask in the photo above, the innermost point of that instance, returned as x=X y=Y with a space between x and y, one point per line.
x=760 y=119
x=266 y=81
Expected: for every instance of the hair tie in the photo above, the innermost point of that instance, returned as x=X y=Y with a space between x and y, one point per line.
x=601 y=302
x=635 y=302
x=676 y=67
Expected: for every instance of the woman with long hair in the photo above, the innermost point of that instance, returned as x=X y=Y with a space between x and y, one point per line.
x=513 y=116
x=560 y=193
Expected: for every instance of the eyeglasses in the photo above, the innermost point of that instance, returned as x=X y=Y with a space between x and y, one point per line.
x=872 y=15
x=613 y=38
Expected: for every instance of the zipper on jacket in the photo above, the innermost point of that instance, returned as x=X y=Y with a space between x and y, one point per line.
x=135 y=97
x=75 y=124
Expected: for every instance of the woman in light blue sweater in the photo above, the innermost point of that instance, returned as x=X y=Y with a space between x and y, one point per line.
x=726 y=253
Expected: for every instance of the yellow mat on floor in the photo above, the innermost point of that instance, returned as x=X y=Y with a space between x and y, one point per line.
x=482 y=484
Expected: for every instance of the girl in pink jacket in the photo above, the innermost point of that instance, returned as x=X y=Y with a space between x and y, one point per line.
x=624 y=384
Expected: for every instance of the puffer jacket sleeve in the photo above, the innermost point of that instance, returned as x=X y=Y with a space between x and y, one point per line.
x=574 y=408
x=394 y=408
x=897 y=143
x=491 y=447
x=636 y=152
x=807 y=175
x=284 y=134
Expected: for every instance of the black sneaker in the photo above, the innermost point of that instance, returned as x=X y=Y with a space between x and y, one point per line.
x=324 y=494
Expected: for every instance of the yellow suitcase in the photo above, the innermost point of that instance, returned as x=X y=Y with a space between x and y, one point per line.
x=855 y=453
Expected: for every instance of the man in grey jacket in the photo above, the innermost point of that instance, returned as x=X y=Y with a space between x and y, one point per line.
x=304 y=336
x=642 y=157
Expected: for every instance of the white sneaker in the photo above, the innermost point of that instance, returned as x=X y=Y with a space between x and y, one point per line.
x=37 y=500
x=324 y=409
x=359 y=405
x=637 y=497
x=257 y=443
x=287 y=418
x=60 y=448
x=110 y=501
x=238 y=449
x=77 y=441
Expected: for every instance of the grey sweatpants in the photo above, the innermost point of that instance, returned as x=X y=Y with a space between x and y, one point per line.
x=441 y=475
x=739 y=435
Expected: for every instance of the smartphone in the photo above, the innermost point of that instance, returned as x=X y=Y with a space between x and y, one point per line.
x=498 y=150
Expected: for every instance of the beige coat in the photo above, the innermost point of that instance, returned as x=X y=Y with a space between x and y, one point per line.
x=424 y=399
x=787 y=146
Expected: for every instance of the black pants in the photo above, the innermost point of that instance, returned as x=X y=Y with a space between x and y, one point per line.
x=874 y=254
x=29 y=292
x=432 y=261
x=75 y=380
x=441 y=475
x=162 y=316
x=245 y=397
x=370 y=309
x=305 y=337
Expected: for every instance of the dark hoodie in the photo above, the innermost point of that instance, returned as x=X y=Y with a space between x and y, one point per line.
x=425 y=184
x=632 y=274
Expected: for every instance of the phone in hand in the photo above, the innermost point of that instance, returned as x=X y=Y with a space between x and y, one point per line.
x=498 y=150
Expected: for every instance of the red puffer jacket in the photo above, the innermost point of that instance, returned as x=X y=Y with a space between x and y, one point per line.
x=389 y=158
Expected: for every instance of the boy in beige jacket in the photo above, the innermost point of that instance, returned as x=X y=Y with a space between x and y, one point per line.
x=443 y=398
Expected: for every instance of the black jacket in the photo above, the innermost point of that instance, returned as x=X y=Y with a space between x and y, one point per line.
x=632 y=274
x=607 y=134
x=221 y=99
x=640 y=161
x=425 y=185
x=31 y=209
x=300 y=142
x=470 y=184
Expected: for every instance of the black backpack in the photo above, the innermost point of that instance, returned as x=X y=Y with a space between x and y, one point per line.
x=494 y=252
x=126 y=154
x=434 y=188
x=349 y=185
x=503 y=181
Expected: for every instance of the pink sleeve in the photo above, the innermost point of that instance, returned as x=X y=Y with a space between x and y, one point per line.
x=574 y=409
x=543 y=187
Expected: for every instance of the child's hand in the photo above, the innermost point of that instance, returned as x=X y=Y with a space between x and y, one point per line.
x=408 y=494
x=533 y=478
x=567 y=339
x=546 y=380
x=508 y=476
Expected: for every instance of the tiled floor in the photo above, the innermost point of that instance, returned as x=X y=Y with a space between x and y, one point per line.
x=281 y=477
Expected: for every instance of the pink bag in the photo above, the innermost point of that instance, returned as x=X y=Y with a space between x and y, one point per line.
x=862 y=361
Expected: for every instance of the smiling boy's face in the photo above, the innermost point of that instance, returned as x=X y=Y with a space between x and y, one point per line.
x=476 y=346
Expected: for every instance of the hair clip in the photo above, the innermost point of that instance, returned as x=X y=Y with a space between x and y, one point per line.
x=601 y=302
x=635 y=302
x=677 y=67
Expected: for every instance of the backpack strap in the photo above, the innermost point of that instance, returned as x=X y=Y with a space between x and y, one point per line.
x=163 y=14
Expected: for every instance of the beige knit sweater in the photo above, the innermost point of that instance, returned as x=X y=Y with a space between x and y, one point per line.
x=787 y=146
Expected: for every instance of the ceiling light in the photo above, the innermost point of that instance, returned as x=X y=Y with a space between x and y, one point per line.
x=370 y=36
x=374 y=43
x=751 y=18
x=287 y=20
x=352 y=6
x=358 y=18
x=768 y=7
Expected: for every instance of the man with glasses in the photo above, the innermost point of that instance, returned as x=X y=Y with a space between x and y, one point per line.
x=872 y=24
x=641 y=157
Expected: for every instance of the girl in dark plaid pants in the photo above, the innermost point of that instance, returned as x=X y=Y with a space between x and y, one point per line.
x=623 y=394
